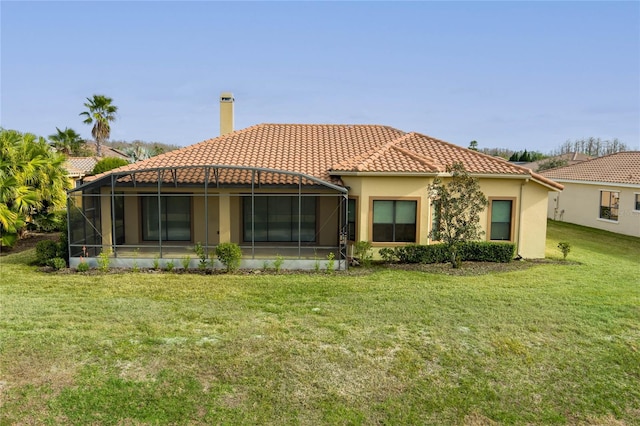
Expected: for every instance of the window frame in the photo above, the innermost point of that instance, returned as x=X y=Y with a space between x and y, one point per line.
x=636 y=201
x=512 y=218
x=610 y=207
x=416 y=240
x=189 y=196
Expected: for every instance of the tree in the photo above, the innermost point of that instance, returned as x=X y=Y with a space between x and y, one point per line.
x=100 y=112
x=552 y=163
x=108 y=163
x=67 y=141
x=473 y=145
x=33 y=181
x=457 y=206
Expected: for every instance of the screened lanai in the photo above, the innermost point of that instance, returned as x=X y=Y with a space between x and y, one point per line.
x=157 y=216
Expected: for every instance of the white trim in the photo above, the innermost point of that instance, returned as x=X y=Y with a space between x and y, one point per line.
x=593 y=182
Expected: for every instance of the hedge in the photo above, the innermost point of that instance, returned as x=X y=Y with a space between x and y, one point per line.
x=475 y=251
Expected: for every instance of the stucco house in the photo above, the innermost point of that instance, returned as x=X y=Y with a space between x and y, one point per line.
x=600 y=193
x=300 y=191
x=79 y=167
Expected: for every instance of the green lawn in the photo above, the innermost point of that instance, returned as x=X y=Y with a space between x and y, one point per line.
x=552 y=344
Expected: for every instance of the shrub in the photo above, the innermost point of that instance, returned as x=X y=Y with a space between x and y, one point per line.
x=331 y=263
x=82 y=266
x=104 y=260
x=170 y=265
x=565 y=248
x=186 y=261
x=485 y=251
x=476 y=251
x=156 y=262
x=58 y=263
x=388 y=254
x=362 y=251
x=45 y=251
x=277 y=264
x=202 y=255
x=229 y=255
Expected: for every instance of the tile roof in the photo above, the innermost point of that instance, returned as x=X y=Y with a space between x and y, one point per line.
x=623 y=167
x=569 y=157
x=325 y=151
x=80 y=165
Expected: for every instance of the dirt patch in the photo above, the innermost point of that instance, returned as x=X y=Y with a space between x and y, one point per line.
x=29 y=241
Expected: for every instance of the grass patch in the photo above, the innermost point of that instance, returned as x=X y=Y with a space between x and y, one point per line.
x=553 y=343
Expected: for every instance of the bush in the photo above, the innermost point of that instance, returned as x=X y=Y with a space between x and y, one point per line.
x=475 y=251
x=388 y=254
x=82 y=266
x=229 y=255
x=58 y=263
x=565 y=248
x=362 y=252
x=108 y=163
x=45 y=251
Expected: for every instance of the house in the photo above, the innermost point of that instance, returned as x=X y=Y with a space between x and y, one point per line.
x=79 y=167
x=600 y=193
x=566 y=159
x=300 y=191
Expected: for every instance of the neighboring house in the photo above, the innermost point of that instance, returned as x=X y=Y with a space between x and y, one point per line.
x=300 y=191
x=601 y=193
x=79 y=167
x=570 y=158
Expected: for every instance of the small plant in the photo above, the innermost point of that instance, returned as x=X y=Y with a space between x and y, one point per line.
x=265 y=265
x=202 y=255
x=362 y=251
x=229 y=255
x=104 y=260
x=316 y=265
x=135 y=267
x=331 y=263
x=58 y=263
x=156 y=262
x=565 y=248
x=169 y=266
x=82 y=266
x=186 y=261
x=277 y=264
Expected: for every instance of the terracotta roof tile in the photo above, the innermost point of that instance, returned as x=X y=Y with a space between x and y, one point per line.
x=323 y=151
x=623 y=167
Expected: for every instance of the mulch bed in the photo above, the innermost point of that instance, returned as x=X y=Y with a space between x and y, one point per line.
x=29 y=241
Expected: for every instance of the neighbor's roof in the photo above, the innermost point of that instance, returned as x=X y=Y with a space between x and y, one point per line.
x=623 y=168
x=569 y=158
x=326 y=151
x=80 y=166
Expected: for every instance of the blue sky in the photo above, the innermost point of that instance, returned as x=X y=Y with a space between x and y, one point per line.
x=508 y=74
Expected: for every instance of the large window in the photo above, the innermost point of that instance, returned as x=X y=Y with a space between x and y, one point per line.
x=394 y=221
x=351 y=219
x=501 y=220
x=171 y=223
x=609 y=205
x=276 y=219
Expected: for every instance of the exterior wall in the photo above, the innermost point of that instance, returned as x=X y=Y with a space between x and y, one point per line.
x=528 y=207
x=580 y=204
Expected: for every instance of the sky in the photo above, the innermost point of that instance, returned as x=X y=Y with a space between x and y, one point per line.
x=508 y=74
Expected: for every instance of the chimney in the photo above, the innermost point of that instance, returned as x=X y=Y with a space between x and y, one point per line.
x=226 y=113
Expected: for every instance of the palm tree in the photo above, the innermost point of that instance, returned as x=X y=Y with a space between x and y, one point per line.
x=99 y=112
x=67 y=141
x=32 y=182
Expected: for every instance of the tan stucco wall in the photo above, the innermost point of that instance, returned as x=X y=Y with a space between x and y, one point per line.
x=580 y=204
x=530 y=238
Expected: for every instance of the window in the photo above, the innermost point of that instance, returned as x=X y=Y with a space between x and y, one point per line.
x=501 y=220
x=276 y=219
x=637 y=202
x=173 y=220
x=436 y=215
x=609 y=205
x=351 y=219
x=118 y=206
x=394 y=221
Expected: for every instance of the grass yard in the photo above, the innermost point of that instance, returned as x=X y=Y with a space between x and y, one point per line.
x=550 y=344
